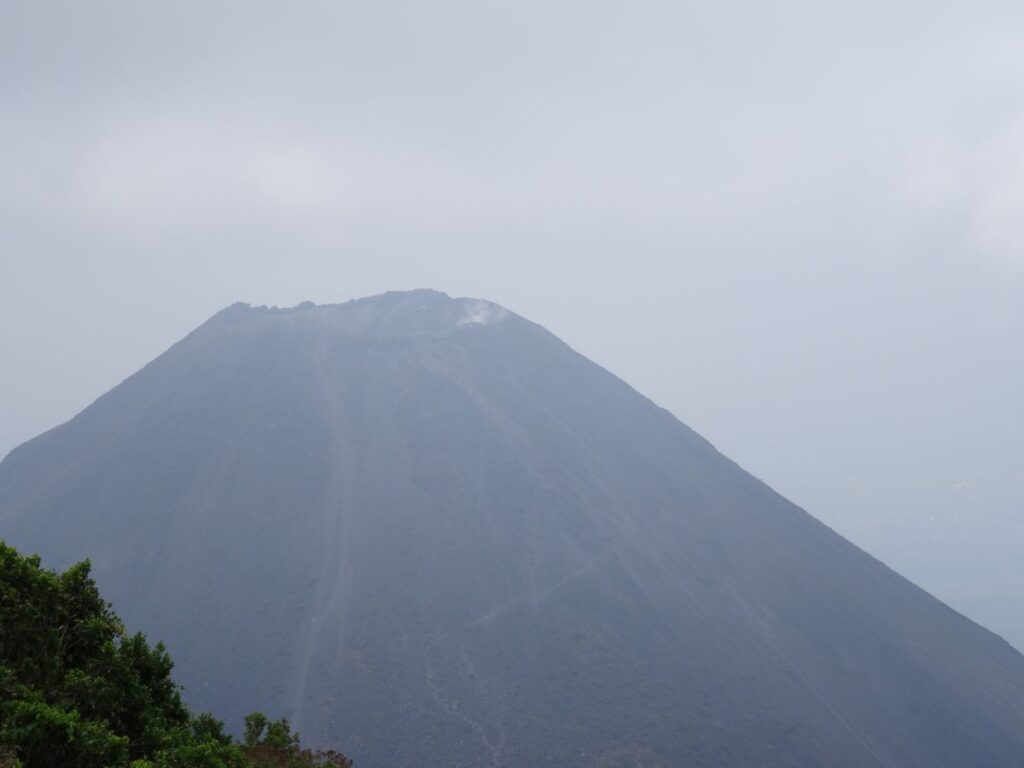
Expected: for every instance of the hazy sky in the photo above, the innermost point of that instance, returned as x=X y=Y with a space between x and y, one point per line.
x=797 y=225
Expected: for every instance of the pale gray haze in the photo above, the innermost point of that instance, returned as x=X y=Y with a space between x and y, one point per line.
x=799 y=226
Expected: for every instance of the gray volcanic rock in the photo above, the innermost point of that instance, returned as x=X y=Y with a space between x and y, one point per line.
x=435 y=536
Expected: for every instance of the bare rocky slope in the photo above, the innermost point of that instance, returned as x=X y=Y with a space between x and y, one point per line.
x=435 y=536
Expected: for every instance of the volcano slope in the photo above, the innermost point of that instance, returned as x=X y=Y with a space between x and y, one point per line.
x=433 y=535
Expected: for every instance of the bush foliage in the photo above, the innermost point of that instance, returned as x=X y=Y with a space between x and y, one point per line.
x=76 y=691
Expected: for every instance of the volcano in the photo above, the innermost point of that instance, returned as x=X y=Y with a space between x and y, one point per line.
x=432 y=535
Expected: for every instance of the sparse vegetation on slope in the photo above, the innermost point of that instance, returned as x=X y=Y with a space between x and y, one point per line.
x=75 y=690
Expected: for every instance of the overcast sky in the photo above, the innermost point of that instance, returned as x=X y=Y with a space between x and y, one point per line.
x=797 y=225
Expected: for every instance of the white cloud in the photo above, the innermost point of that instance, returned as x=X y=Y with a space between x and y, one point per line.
x=979 y=184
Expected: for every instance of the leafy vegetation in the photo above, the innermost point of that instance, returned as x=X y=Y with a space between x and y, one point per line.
x=76 y=691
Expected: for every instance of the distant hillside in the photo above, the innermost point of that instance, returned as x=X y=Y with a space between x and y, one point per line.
x=435 y=536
